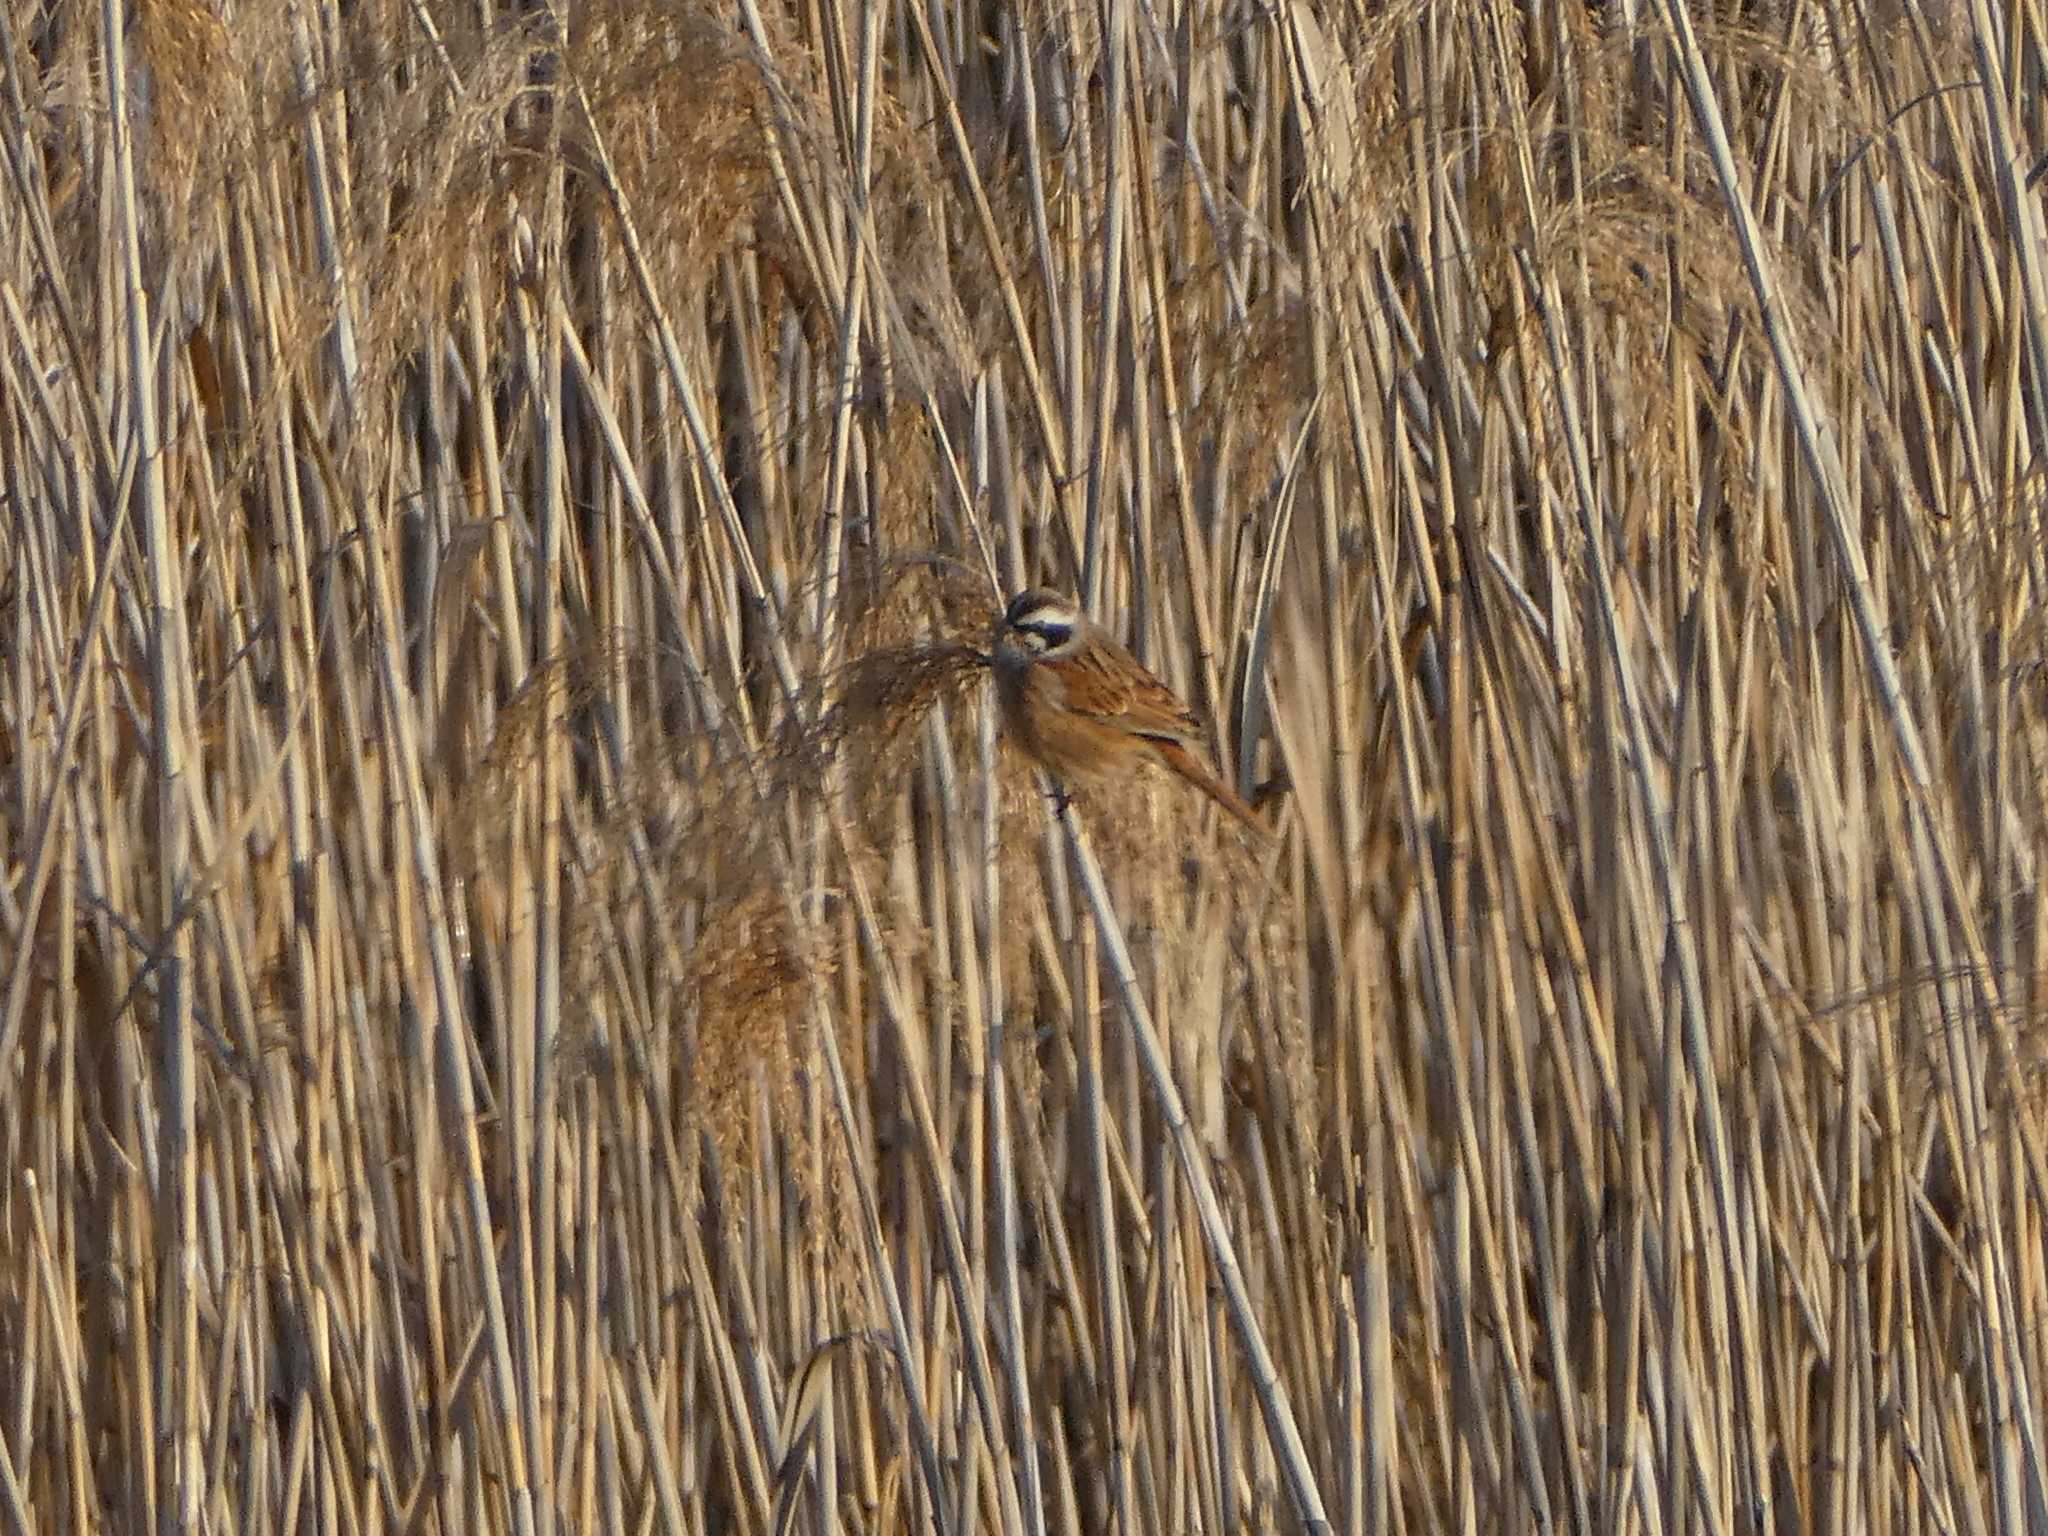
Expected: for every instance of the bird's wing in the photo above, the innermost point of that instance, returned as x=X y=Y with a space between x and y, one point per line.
x=1106 y=683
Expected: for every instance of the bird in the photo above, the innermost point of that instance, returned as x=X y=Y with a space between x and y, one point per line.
x=1082 y=707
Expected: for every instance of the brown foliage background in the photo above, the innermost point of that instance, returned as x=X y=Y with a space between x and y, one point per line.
x=533 y=999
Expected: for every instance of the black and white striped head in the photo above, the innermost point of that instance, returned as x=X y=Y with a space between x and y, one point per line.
x=1040 y=624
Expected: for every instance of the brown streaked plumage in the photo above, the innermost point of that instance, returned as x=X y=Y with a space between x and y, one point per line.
x=1081 y=706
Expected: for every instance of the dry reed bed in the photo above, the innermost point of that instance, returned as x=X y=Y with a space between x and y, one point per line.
x=533 y=1000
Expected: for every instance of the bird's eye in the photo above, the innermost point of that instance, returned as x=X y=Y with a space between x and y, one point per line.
x=1044 y=634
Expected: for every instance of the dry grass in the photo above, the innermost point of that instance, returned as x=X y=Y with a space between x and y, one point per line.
x=531 y=999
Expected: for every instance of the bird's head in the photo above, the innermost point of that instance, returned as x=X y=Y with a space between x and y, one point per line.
x=1039 y=623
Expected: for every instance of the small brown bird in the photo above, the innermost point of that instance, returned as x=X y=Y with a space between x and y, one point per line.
x=1081 y=706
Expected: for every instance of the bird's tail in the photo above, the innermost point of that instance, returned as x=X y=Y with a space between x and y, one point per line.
x=1189 y=767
